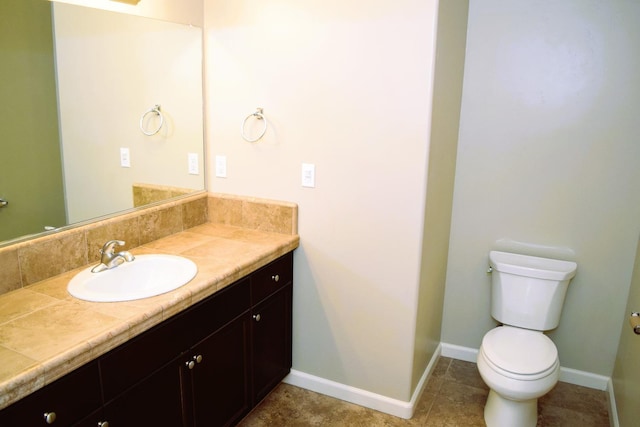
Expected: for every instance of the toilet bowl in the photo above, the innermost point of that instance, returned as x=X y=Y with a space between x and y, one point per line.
x=519 y=366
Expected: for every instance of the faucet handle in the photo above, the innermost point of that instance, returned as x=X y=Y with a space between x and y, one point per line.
x=109 y=246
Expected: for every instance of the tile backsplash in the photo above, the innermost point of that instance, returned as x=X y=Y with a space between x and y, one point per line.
x=25 y=263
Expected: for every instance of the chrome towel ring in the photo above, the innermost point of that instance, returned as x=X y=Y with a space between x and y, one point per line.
x=260 y=116
x=155 y=109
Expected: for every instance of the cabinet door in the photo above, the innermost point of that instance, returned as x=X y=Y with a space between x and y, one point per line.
x=135 y=360
x=220 y=381
x=271 y=342
x=61 y=403
x=156 y=401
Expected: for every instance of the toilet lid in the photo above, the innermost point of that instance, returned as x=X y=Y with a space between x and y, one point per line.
x=519 y=351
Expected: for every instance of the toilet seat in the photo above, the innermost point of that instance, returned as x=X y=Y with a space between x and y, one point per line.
x=519 y=353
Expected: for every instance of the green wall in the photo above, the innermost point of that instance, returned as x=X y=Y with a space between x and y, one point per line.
x=30 y=165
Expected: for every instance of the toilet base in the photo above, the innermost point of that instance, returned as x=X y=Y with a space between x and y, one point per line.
x=501 y=412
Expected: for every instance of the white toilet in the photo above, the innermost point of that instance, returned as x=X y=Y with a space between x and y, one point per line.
x=517 y=361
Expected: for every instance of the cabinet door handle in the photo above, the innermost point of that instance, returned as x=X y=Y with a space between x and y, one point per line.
x=103 y=424
x=275 y=278
x=190 y=364
x=257 y=317
x=49 y=417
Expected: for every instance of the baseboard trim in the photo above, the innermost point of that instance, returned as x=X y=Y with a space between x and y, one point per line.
x=378 y=402
x=614 y=421
x=402 y=409
x=567 y=375
x=458 y=352
x=585 y=379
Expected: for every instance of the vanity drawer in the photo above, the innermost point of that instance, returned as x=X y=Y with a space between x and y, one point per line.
x=64 y=401
x=271 y=278
x=215 y=312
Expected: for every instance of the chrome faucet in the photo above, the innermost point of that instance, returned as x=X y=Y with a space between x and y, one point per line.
x=110 y=258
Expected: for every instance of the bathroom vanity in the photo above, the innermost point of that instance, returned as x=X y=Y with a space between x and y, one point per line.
x=202 y=355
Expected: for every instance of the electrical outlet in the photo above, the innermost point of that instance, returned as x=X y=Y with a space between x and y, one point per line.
x=125 y=158
x=308 y=175
x=193 y=163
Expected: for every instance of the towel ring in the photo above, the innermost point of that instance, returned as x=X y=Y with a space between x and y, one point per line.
x=258 y=115
x=154 y=109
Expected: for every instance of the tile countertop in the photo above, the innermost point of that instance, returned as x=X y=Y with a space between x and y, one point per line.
x=46 y=333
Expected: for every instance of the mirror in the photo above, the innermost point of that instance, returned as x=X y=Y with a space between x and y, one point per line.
x=102 y=113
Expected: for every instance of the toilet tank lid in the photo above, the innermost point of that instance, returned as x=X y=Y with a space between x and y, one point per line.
x=532 y=266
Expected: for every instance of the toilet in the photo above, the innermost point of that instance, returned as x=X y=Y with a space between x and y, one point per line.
x=516 y=360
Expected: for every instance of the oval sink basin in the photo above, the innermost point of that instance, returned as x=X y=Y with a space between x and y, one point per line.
x=145 y=276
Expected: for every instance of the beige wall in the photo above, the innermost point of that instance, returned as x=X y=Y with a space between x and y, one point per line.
x=447 y=93
x=548 y=155
x=626 y=374
x=346 y=86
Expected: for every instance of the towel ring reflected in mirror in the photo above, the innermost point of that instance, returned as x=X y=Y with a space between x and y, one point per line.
x=155 y=109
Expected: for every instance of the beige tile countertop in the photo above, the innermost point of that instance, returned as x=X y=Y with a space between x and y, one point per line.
x=46 y=333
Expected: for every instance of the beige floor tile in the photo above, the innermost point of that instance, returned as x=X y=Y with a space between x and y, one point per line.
x=454 y=396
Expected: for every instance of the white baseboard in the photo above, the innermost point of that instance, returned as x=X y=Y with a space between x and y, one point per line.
x=398 y=408
x=458 y=352
x=402 y=409
x=567 y=375
x=585 y=379
x=614 y=421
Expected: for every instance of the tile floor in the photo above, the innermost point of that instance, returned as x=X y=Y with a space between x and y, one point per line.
x=454 y=396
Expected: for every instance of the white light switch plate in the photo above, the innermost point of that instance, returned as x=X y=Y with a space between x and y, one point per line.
x=193 y=163
x=221 y=166
x=308 y=175
x=125 y=157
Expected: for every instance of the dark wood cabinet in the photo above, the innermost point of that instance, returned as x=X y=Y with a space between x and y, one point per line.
x=271 y=296
x=63 y=402
x=155 y=401
x=271 y=342
x=219 y=383
x=207 y=366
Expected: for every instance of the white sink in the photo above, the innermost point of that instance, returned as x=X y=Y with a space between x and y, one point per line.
x=145 y=276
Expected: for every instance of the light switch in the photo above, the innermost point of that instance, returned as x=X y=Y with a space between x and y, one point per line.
x=125 y=158
x=221 y=166
x=193 y=163
x=308 y=175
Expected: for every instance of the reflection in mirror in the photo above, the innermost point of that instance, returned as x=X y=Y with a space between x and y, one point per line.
x=84 y=149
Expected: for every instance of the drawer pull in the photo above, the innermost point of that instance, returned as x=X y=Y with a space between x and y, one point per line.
x=198 y=358
x=49 y=417
x=275 y=278
x=256 y=317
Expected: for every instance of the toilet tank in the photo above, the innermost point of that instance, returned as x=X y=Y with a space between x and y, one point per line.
x=527 y=291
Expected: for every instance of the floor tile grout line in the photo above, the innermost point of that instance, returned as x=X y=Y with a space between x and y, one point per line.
x=437 y=392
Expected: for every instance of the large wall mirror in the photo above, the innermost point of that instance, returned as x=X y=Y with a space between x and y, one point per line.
x=100 y=112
